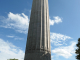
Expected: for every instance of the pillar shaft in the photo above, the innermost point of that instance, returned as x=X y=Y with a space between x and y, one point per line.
x=38 y=39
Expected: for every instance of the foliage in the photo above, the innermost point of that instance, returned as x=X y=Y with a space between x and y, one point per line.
x=12 y=59
x=78 y=50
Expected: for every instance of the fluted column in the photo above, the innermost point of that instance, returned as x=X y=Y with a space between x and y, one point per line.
x=38 y=39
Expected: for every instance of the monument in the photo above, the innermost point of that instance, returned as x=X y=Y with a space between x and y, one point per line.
x=38 y=39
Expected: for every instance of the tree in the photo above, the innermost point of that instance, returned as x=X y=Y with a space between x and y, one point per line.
x=12 y=59
x=78 y=50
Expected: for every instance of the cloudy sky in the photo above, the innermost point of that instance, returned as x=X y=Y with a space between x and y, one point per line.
x=64 y=16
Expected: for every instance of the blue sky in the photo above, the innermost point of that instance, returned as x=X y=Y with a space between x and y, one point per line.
x=64 y=28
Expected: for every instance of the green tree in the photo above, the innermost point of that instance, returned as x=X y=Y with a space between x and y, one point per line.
x=12 y=59
x=78 y=50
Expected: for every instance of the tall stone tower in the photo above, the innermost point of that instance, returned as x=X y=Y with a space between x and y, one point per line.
x=38 y=39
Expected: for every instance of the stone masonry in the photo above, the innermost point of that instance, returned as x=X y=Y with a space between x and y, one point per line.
x=38 y=39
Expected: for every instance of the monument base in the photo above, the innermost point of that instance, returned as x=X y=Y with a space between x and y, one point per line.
x=38 y=56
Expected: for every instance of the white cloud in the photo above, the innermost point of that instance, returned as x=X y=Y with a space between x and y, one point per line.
x=8 y=50
x=66 y=51
x=57 y=20
x=15 y=37
x=52 y=57
x=10 y=36
x=58 y=39
x=26 y=10
x=18 y=38
x=18 y=22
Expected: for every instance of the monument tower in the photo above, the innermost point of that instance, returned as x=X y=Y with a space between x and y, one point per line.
x=38 y=39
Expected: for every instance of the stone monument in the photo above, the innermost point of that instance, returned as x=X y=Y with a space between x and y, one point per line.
x=38 y=39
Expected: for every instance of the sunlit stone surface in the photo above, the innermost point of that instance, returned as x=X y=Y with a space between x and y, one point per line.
x=38 y=39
